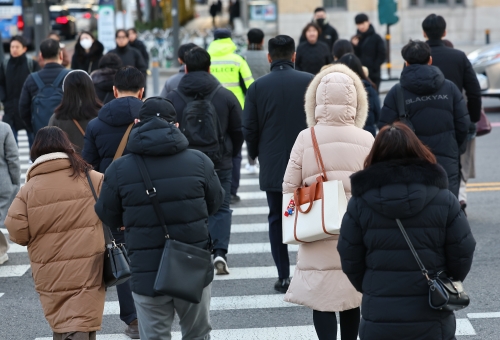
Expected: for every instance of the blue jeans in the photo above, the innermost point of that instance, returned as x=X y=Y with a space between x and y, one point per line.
x=124 y=291
x=219 y=224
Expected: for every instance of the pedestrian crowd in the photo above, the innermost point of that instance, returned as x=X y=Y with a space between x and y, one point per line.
x=123 y=190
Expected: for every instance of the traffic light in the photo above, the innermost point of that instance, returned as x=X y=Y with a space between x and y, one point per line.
x=387 y=12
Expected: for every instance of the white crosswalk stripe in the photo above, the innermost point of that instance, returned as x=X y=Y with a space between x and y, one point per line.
x=252 y=277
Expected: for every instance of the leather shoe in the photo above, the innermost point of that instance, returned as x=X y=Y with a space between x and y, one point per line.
x=132 y=330
x=282 y=285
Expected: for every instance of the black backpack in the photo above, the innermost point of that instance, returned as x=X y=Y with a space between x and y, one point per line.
x=201 y=126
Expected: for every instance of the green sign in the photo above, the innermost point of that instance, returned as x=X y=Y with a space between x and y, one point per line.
x=387 y=12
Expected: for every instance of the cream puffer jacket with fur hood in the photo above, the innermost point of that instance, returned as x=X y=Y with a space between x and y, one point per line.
x=336 y=105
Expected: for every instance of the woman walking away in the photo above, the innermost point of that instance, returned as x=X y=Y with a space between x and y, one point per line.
x=53 y=214
x=104 y=77
x=10 y=178
x=78 y=107
x=402 y=180
x=353 y=62
x=337 y=108
x=312 y=54
x=88 y=53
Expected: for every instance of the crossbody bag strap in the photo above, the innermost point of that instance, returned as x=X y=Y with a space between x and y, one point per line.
x=151 y=192
x=123 y=143
x=413 y=251
x=108 y=236
x=79 y=127
x=317 y=154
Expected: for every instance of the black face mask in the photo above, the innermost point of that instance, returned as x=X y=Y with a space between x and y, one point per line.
x=320 y=22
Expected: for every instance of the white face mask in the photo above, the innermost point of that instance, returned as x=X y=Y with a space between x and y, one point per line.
x=86 y=43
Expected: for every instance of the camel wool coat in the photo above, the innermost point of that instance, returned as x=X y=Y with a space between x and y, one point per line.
x=53 y=214
x=336 y=105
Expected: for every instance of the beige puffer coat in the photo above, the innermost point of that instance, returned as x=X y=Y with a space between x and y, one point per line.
x=337 y=107
x=53 y=214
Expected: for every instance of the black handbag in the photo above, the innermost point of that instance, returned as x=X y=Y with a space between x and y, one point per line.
x=183 y=268
x=404 y=117
x=444 y=292
x=116 y=262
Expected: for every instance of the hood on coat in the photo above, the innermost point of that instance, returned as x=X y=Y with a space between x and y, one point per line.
x=221 y=47
x=156 y=137
x=336 y=96
x=199 y=82
x=103 y=75
x=399 y=188
x=120 y=111
x=96 y=51
x=422 y=79
x=35 y=167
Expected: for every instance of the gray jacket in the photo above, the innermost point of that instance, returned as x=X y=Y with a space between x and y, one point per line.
x=172 y=82
x=259 y=65
x=10 y=169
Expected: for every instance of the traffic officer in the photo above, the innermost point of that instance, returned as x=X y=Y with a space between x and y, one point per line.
x=230 y=69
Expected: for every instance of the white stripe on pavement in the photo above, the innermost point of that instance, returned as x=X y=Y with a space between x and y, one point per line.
x=245 y=273
x=252 y=195
x=249 y=181
x=250 y=211
x=249 y=228
x=4 y=231
x=16 y=248
x=1 y=294
x=464 y=327
x=483 y=315
x=254 y=248
x=12 y=271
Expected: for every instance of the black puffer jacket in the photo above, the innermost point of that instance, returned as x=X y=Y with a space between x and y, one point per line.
x=273 y=117
x=104 y=133
x=374 y=108
x=312 y=57
x=226 y=105
x=438 y=113
x=141 y=47
x=186 y=186
x=131 y=57
x=377 y=260
x=328 y=35
x=103 y=80
x=87 y=62
x=371 y=51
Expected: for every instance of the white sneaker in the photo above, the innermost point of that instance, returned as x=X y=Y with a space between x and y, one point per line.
x=252 y=169
x=220 y=265
x=4 y=258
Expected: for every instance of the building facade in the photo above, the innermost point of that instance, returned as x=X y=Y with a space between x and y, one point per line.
x=467 y=20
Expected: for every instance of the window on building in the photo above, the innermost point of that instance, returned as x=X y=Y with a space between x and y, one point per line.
x=415 y=3
x=335 y=3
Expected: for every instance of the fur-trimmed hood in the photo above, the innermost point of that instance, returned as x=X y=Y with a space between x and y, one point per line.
x=399 y=188
x=32 y=171
x=336 y=96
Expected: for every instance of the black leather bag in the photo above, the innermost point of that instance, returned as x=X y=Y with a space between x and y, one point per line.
x=404 y=117
x=116 y=262
x=444 y=292
x=183 y=268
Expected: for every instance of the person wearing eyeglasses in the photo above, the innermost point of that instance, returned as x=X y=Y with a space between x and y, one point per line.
x=129 y=55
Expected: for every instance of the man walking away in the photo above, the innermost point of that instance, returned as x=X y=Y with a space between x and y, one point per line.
x=255 y=55
x=136 y=43
x=42 y=90
x=102 y=138
x=172 y=82
x=457 y=68
x=369 y=47
x=13 y=74
x=200 y=95
x=435 y=108
x=188 y=191
x=129 y=55
x=328 y=34
x=272 y=119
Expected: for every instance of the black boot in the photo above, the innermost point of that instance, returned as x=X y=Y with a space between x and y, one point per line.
x=282 y=285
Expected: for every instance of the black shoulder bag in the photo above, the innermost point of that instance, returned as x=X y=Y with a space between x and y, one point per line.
x=404 y=117
x=444 y=292
x=116 y=262
x=183 y=268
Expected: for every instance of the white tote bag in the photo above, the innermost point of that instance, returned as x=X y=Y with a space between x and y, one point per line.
x=314 y=213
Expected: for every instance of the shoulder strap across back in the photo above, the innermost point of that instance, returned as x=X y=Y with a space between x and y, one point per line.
x=38 y=81
x=123 y=143
x=317 y=154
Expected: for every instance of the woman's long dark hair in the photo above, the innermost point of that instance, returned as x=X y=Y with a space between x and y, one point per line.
x=398 y=141
x=79 y=100
x=342 y=47
x=52 y=139
x=353 y=62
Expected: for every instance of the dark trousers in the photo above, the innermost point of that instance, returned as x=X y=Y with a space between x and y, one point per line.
x=235 y=183
x=124 y=291
x=31 y=136
x=278 y=249
x=219 y=224
x=325 y=324
x=376 y=80
x=74 y=336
